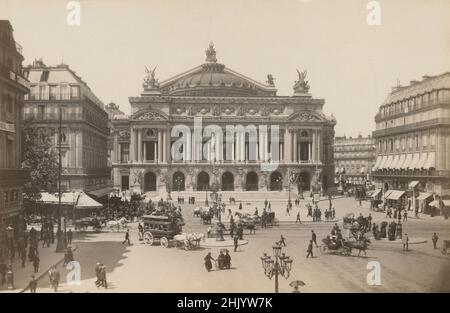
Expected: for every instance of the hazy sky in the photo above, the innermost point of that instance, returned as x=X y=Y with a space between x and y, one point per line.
x=350 y=64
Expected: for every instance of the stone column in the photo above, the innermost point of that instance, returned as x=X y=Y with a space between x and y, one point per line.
x=309 y=151
x=287 y=146
x=314 y=146
x=233 y=144
x=145 y=150
x=295 y=147
x=132 y=145
x=188 y=147
x=319 y=150
x=115 y=149
x=139 y=142
x=238 y=146
x=79 y=149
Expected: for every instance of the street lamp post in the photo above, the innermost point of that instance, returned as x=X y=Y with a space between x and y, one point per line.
x=280 y=264
x=60 y=244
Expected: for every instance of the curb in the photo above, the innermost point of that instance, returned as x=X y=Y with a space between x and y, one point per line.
x=74 y=248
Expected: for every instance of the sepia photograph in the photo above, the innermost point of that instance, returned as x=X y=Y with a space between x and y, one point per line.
x=215 y=147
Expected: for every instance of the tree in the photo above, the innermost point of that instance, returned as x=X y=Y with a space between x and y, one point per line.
x=41 y=159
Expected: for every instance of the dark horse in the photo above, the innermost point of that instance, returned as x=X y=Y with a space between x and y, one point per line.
x=361 y=245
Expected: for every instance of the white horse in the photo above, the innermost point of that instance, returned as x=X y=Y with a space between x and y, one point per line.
x=118 y=225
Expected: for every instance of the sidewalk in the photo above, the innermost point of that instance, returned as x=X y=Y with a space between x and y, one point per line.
x=48 y=258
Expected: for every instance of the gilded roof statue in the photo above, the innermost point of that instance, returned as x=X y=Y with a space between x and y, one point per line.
x=211 y=53
x=301 y=85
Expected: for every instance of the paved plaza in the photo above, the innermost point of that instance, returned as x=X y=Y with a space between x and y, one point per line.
x=142 y=268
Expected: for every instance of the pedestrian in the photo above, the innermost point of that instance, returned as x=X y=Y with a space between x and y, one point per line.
x=127 y=237
x=434 y=239
x=287 y=210
x=208 y=232
x=54 y=276
x=298 y=218
x=310 y=249
x=140 y=231
x=240 y=205
x=265 y=204
x=270 y=207
x=32 y=284
x=405 y=241
x=103 y=281
x=282 y=241
x=208 y=263
x=97 y=270
x=314 y=238
x=68 y=256
x=369 y=219
x=236 y=241
x=36 y=261
x=405 y=216
x=69 y=236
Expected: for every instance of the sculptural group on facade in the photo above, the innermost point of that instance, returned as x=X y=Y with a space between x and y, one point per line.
x=150 y=81
x=301 y=85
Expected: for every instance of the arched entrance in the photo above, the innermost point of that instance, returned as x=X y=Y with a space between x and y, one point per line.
x=304 y=181
x=149 y=182
x=202 y=181
x=227 y=181
x=276 y=181
x=251 y=181
x=178 y=180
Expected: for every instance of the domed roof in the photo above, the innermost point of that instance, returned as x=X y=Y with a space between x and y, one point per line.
x=214 y=79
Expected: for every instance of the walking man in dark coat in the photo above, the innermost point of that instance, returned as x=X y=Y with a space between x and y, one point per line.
x=36 y=261
x=310 y=250
x=314 y=238
x=32 y=284
x=69 y=236
x=235 y=240
x=127 y=237
x=298 y=218
x=435 y=240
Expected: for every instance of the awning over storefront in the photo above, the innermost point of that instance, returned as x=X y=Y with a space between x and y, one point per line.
x=401 y=160
x=388 y=163
x=101 y=192
x=424 y=195
x=387 y=193
x=383 y=162
x=375 y=193
x=79 y=200
x=422 y=160
x=431 y=161
x=407 y=162
x=394 y=162
x=377 y=163
x=395 y=194
x=415 y=161
x=413 y=184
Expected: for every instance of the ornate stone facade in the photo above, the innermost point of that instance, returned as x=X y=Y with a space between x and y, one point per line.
x=239 y=110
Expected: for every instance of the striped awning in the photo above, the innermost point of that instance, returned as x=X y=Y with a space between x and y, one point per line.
x=388 y=163
x=396 y=194
x=415 y=161
x=394 y=162
x=377 y=163
x=431 y=161
x=424 y=195
x=375 y=193
x=383 y=161
x=401 y=160
x=407 y=162
x=413 y=184
x=422 y=160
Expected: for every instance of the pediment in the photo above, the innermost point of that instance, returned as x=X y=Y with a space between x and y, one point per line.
x=305 y=117
x=151 y=115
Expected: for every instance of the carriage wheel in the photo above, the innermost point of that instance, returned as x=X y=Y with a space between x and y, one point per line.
x=148 y=238
x=323 y=249
x=164 y=242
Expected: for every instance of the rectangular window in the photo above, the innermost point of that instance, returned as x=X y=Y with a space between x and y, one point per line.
x=65 y=92
x=75 y=91
x=41 y=112
x=124 y=152
x=53 y=93
x=9 y=153
x=9 y=104
x=125 y=182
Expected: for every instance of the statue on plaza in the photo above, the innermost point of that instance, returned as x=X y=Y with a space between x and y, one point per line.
x=150 y=81
x=270 y=80
x=301 y=85
x=211 y=53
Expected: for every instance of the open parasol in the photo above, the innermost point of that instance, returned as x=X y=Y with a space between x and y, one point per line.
x=297 y=283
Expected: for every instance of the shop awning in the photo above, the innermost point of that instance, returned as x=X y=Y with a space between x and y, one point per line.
x=388 y=163
x=422 y=160
x=394 y=162
x=382 y=163
x=387 y=193
x=415 y=161
x=101 y=192
x=395 y=195
x=424 y=195
x=86 y=202
x=431 y=161
x=377 y=163
x=407 y=162
x=413 y=184
x=375 y=193
x=401 y=160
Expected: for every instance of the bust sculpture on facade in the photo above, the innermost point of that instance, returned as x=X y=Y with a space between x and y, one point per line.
x=301 y=85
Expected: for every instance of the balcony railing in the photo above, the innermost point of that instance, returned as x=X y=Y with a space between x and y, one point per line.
x=9 y=73
x=56 y=97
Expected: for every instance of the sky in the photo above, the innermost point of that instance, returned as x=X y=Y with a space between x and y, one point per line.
x=350 y=64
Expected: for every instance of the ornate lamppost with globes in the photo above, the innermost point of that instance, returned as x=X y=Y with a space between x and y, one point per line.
x=280 y=264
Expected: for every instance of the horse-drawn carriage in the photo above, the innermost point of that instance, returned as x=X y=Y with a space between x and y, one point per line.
x=161 y=227
x=188 y=241
x=84 y=223
x=206 y=216
x=333 y=245
x=357 y=227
